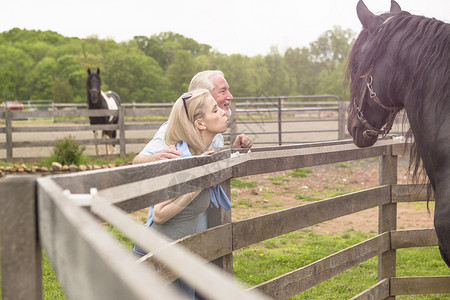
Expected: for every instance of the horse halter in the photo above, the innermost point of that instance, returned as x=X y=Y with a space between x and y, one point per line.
x=371 y=131
x=94 y=90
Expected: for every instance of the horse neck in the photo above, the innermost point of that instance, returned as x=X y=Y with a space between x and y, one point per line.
x=432 y=137
x=420 y=82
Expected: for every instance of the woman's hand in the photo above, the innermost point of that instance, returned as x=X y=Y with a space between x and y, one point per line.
x=169 y=152
x=209 y=152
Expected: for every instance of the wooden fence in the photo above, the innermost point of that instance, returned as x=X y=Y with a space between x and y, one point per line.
x=253 y=116
x=61 y=214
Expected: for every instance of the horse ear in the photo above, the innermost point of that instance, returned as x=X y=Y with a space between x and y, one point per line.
x=395 y=8
x=364 y=14
x=89 y=71
x=98 y=70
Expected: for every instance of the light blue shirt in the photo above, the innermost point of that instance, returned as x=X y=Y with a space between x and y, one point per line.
x=157 y=144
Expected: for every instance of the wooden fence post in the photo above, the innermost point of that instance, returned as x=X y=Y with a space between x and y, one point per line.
x=21 y=255
x=280 y=120
x=342 y=107
x=232 y=122
x=220 y=216
x=387 y=216
x=9 y=142
x=122 y=131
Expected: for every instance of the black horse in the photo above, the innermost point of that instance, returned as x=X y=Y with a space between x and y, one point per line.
x=401 y=61
x=97 y=99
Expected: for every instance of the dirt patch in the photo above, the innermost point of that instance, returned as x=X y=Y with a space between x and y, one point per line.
x=276 y=191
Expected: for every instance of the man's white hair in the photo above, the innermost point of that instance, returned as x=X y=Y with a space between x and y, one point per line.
x=202 y=80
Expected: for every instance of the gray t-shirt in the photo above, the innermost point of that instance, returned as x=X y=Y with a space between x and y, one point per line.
x=185 y=222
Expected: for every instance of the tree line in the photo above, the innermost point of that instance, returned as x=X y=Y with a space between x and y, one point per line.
x=37 y=65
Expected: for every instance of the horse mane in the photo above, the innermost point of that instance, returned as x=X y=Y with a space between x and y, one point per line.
x=422 y=53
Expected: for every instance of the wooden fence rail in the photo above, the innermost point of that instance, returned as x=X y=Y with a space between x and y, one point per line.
x=263 y=112
x=67 y=209
x=275 y=120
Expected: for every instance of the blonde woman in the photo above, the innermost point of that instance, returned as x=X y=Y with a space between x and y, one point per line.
x=194 y=121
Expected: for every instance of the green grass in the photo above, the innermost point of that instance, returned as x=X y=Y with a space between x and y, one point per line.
x=306 y=198
x=278 y=180
x=238 y=183
x=51 y=289
x=269 y=259
x=300 y=172
x=344 y=165
x=242 y=203
x=274 y=257
x=85 y=160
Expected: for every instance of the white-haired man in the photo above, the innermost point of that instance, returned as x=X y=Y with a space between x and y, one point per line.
x=215 y=82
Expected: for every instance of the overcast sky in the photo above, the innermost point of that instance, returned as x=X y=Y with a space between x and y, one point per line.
x=249 y=27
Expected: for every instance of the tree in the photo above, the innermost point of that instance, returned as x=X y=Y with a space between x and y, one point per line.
x=179 y=74
x=62 y=91
x=334 y=82
x=332 y=46
x=133 y=75
x=70 y=70
x=238 y=71
x=164 y=47
x=329 y=53
x=42 y=78
x=15 y=64
x=299 y=68
x=259 y=75
x=44 y=64
x=277 y=83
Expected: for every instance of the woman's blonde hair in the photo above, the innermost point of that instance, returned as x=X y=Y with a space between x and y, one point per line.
x=181 y=126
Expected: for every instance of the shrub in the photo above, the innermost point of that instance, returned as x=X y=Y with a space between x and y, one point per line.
x=67 y=151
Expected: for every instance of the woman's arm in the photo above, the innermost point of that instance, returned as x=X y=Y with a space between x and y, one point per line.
x=164 y=211
x=168 y=152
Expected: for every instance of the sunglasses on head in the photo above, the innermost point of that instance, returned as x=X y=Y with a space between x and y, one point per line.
x=185 y=97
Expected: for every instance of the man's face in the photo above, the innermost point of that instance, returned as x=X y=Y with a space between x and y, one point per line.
x=221 y=93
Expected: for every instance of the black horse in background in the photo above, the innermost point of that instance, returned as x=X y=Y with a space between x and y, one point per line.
x=97 y=99
x=401 y=61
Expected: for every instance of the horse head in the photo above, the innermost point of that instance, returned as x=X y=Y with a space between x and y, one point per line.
x=372 y=106
x=93 y=87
